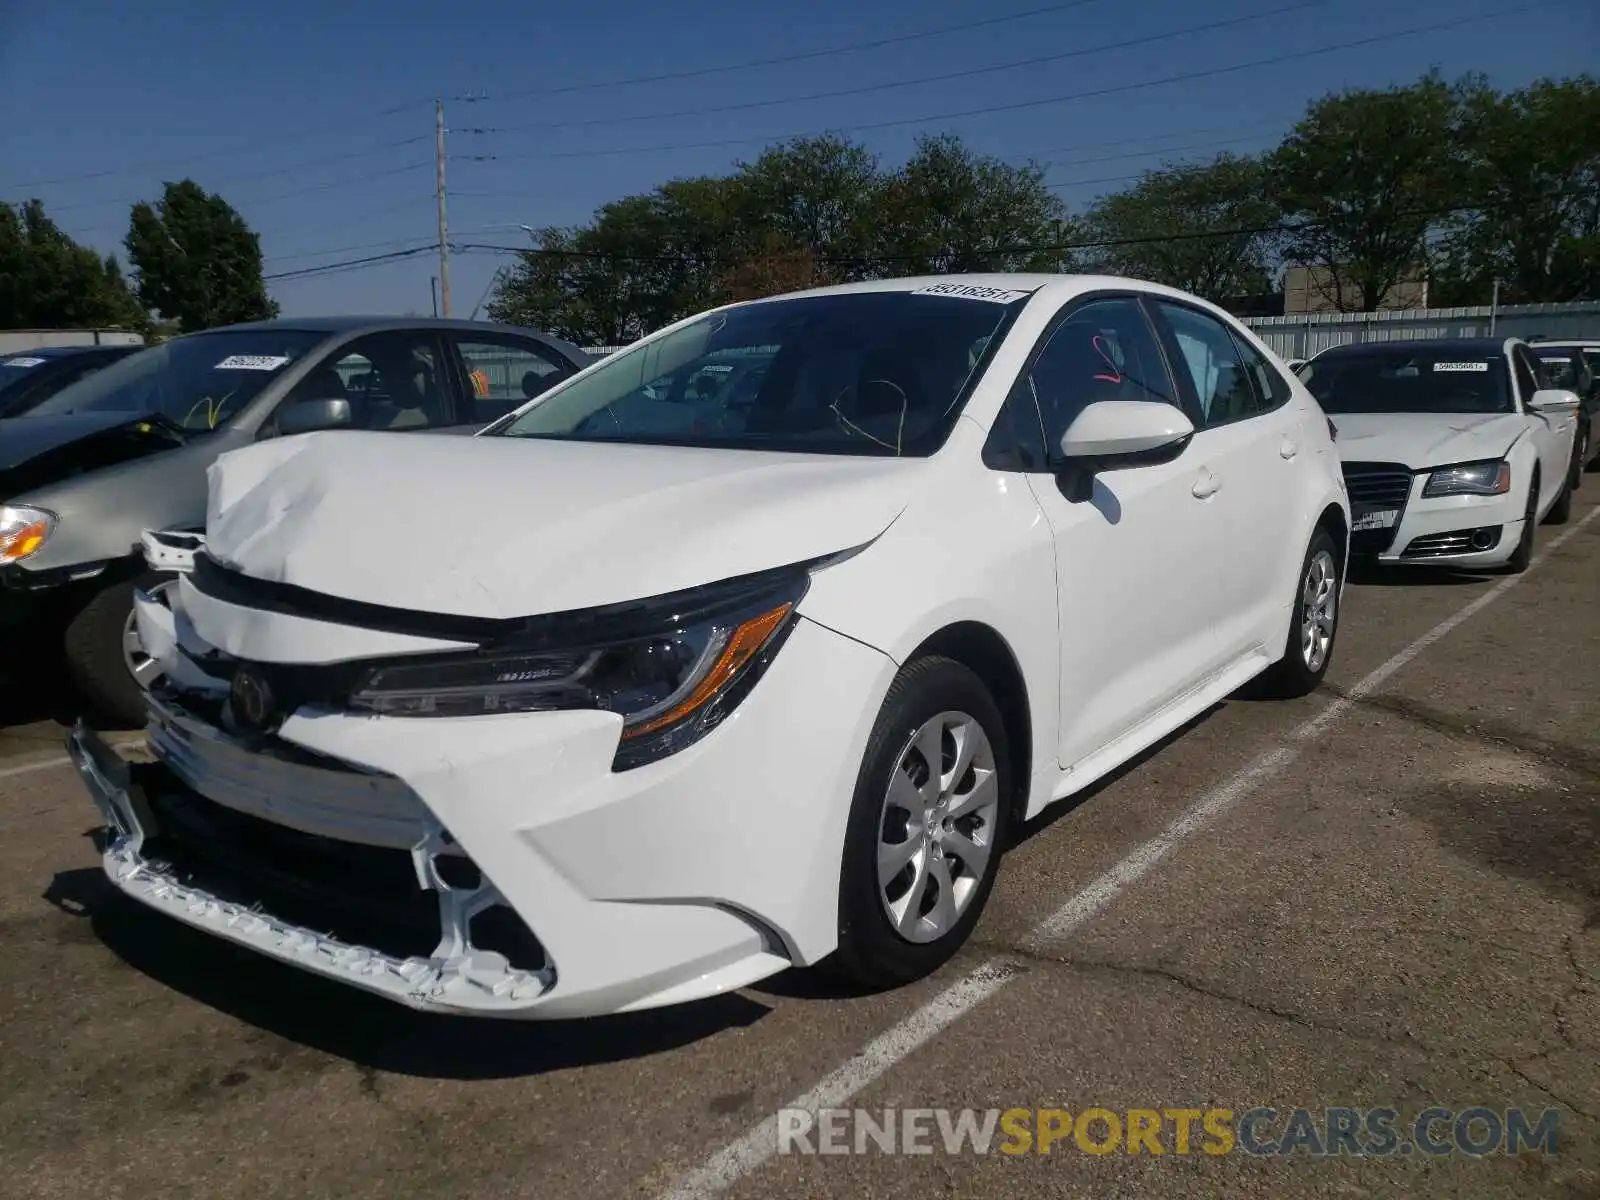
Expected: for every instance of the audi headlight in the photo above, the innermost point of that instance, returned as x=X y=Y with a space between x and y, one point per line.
x=673 y=668
x=1491 y=478
x=23 y=531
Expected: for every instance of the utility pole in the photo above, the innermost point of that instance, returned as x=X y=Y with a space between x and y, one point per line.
x=1494 y=305
x=444 y=228
x=433 y=290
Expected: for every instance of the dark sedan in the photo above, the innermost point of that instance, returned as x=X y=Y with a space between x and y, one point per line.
x=30 y=377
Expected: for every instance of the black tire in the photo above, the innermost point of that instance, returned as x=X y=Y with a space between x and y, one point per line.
x=871 y=952
x=1292 y=676
x=93 y=647
x=1522 y=557
x=1561 y=511
x=1581 y=462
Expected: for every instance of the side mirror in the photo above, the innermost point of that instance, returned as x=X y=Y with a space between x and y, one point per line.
x=309 y=415
x=1552 y=400
x=1112 y=433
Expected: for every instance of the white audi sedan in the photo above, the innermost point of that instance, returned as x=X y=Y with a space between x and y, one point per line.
x=1452 y=452
x=748 y=647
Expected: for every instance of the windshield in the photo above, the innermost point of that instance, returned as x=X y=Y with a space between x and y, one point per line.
x=1409 y=380
x=198 y=381
x=18 y=369
x=878 y=373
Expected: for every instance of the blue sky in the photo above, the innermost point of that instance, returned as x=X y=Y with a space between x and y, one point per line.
x=316 y=119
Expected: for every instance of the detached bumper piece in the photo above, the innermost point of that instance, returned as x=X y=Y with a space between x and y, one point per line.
x=418 y=925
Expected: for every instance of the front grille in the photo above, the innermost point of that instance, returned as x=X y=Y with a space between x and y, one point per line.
x=283 y=783
x=1455 y=541
x=1376 y=487
x=363 y=895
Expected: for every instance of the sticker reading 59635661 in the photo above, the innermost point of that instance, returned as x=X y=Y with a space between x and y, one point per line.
x=252 y=362
x=20 y=362
x=1460 y=366
x=971 y=291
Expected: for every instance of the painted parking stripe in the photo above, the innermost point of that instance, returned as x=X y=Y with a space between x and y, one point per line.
x=738 y=1159
x=43 y=764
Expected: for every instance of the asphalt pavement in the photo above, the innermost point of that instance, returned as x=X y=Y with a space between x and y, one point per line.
x=1383 y=896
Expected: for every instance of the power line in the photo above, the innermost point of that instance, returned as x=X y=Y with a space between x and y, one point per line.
x=1046 y=101
x=868 y=89
x=803 y=56
x=254 y=146
x=347 y=264
x=305 y=191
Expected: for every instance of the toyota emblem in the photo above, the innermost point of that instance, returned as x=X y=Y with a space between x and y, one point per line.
x=251 y=698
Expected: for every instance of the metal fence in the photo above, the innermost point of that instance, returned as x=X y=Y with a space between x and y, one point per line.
x=1302 y=335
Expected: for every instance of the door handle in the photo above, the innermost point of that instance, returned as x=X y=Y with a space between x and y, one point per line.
x=1206 y=486
x=1288 y=449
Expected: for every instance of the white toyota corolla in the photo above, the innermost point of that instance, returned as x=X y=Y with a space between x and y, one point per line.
x=1452 y=452
x=747 y=647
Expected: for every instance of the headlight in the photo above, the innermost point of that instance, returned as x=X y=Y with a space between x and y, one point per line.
x=1492 y=478
x=22 y=531
x=675 y=675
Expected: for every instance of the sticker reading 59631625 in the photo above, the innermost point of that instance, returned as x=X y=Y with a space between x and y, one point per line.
x=252 y=362
x=971 y=291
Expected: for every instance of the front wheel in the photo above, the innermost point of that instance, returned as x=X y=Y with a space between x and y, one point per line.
x=105 y=657
x=1308 y=650
x=1561 y=511
x=928 y=822
x=1522 y=557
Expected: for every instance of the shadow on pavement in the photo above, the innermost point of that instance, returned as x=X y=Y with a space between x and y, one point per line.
x=1372 y=574
x=365 y=1030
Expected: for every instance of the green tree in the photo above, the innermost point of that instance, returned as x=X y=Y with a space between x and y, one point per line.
x=816 y=195
x=49 y=281
x=1167 y=228
x=950 y=209
x=196 y=260
x=1533 y=163
x=1368 y=173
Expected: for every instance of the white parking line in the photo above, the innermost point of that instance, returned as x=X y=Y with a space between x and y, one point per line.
x=740 y=1158
x=59 y=760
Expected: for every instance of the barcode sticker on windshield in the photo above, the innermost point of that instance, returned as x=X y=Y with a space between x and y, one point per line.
x=970 y=291
x=22 y=362
x=252 y=362
x=1460 y=366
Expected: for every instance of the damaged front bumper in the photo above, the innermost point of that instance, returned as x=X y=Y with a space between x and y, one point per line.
x=455 y=977
x=493 y=865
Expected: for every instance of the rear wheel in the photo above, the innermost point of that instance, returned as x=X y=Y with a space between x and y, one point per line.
x=1308 y=650
x=927 y=825
x=107 y=661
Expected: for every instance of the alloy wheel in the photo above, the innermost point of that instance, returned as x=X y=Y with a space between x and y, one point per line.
x=144 y=669
x=1319 y=602
x=937 y=828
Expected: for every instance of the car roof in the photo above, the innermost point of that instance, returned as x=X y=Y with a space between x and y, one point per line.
x=1478 y=345
x=336 y=325
x=1565 y=344
x=64 y=351
x=1011 y=281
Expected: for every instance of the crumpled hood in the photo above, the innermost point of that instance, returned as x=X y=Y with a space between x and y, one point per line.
x=512 y=527
x=1421 y=440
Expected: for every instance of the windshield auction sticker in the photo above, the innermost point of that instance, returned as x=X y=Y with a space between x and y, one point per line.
x=971 y=291
x=1460 y=366
x=252 y=362
x=22 y=362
